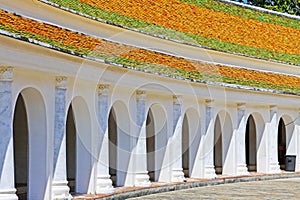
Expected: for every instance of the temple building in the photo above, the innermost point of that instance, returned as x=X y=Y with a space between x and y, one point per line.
x=96 y=95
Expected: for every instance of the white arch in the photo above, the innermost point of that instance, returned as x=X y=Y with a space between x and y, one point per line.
x=291 y=145
x=82 y=119
x=157 y=139
x=191 y=137
x=120 y=144
x=261 y=147
x=224 y=130
x=37 y=142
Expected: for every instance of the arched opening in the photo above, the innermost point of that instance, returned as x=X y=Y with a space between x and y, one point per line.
x=190 y=141
x=71 y=149
x=281 y=144
x=286 y=139
x=251 y=144
x=30 y=145
x=218 y=146
x=112 y=137
x=185 y=146
x=156 y=141
x=150 y=145
x=223 y=146
x=78 y=146
x=20 y=128
x=120 y=144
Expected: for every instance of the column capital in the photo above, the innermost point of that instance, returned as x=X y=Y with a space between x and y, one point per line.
x=103 y=89
x=6 y=73
x=273 y=108
x=141 y=95
x=61 y=82
x=177 y=99
x=210 y=103
x=241 y=106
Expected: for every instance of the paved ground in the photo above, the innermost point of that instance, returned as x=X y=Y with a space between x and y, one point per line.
x=270 y=189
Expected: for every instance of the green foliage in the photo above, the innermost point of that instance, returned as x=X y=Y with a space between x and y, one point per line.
x=284 y=6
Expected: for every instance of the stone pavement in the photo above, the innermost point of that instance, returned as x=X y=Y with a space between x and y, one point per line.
x=268 y=189
x=287 y=187
x=255 y=186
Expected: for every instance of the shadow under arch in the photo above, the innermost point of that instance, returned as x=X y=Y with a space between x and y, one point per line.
x=286 y=140
x=120 y=143
x=223 y=144
x=30 y=144
x=156 y=140
x=191 y=137
x=79 y=146
x=255 y=151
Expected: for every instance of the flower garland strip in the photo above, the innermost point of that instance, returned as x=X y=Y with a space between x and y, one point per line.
x=141 y=58
x=193 y=23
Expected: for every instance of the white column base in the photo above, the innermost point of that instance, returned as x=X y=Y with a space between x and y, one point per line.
x=60 y=190
x=242 y=170
x=178 y=175
x=274 y=168
x=297 y=168
x=142 y=179
x=209 y=171
x=8 y=194
x=104 y=185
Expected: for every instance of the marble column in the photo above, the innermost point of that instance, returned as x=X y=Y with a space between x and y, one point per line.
x=272 y=141
x=176 y=144
x=240 y=134
x=103 y=181
x=140 y=152
x=209 y=168
x=297 y=132
x=7 y=184
x=60 y=189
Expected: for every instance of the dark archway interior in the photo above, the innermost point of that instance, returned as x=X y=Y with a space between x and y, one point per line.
x=20 y=132
x=150 y=145
x=113 y=138
x=251 y=148
x=281 y=144
x=218 y=146
x=71 y=149
x=185 y=146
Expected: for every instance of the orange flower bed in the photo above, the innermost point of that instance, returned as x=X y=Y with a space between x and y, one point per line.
x=207 y=23
x=205 y=68
x=135 y=54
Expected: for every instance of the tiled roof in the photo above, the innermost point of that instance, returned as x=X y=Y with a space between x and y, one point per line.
x=202 y=22
x=140 y=59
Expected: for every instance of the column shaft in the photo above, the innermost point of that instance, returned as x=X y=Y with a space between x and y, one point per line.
x=209 y=171
x=140 y=151
x=7 y=184
x=176 y=157
x=103 y=181
x=241 y=167
x=60 y=189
